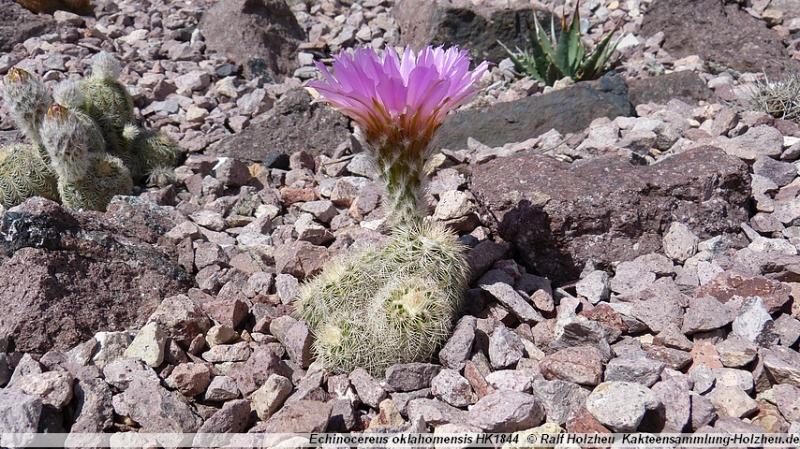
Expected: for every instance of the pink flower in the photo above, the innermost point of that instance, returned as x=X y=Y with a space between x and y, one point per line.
x=400 y=99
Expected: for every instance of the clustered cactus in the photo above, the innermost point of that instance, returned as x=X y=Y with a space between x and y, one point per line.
x=780 y=98
x=397 y=302
x=84 y=144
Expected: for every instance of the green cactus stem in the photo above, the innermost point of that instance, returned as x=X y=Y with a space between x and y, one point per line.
x=106 y=176
x=23 y=174
x=27 y=100
x=387 y=305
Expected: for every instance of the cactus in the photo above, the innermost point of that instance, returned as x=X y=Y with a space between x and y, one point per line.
x=23 y=174
x=397 y=302
x=27 y=99
x=86 y=145
x=387 y=305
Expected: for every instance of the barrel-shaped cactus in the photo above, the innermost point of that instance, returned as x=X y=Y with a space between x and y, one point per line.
x=23 y=174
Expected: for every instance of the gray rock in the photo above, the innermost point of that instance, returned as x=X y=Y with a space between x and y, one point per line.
x=19 y=413
x=452 y=388
x=271 y=396
x=120 y=373
x=732 y=402
x=511 y=299
x=221 y=388
x=788 y=329
x=752 y=321
x=705 y=314
x=680 y=243
x=736 y=352
x=505 y=348
x=512 y=380
x=458 y=348
x=506 y=411
x=560 y=399
x=233 y=417
x=621 y=406
x=642 y=370
x=781 y=173
x=702 y=411
x=594 y=286
x=94 y=411
x=411 y=376
x=369 y=390
x=434 y=412
x=298 y=417
x=783 y=364
x=674 y=396
x=155 y=409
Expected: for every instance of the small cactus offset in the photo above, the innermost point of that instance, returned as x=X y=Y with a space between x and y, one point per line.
x=86 y=144
x=397 y=302
x=23 y=174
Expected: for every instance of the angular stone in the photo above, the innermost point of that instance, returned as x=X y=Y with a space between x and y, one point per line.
x=556 y=226
x=506 y=411
x=581 y=364
x=458 y=348
x=783 y=365
x=640 y=370
x=221 y=388
x=511 y=299
x=411 y=376
x=369 y=390
x=621 y=406
x=434 y=412
x=451 y=387
x=731 y=285
x=233 y=417
x=505 y=348
x=705 y=314
x=686 y=86
x=594 y=286
x=270 y=397
x=560 y=399
x=155 y=409
x=54 y=388
x=19 y=413
x=752 y=321
x=148 y=345
x=680 y=243
x=191 y=379
x=298 y=417
x=733 y=402
x=675 y=397
x=256 y=370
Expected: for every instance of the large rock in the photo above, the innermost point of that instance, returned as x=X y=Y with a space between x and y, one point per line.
x=477 y=26
x=18 y=24
x=686 y=86
x=560 y=215
x=567 y=110
x=713 y=30
x=72 y=274
x=294 y=124
x=262 y=35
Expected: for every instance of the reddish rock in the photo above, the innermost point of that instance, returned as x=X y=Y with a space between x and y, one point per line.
x=256 y=370
x=85 y=271
x=560 y=215
x=583 y=422
x=580 y=364
x=730 y=284
x=17 y=25
x=300 y=259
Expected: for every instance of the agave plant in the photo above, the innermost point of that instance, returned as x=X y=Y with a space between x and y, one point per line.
x=552 y=57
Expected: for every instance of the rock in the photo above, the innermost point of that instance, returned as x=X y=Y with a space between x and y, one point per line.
x=686 y=86
x=155 y=409
x=220 y=334
x=221 y=388
x=546 y=210
x=731 y=285
x=54 y=388
x=434 y=412
x=459 y=347
x=112 y=347
x=148 y=345
x=759 y=141
x=736 y=352
x=566 y=110
x=505 y=348
x=506 y=411
x=237 y=352
x=181 y=318
x=783 y=365
x=17 y=25
x=640 y=370
x=411 y=376
x=679 y=242
x=621 y=406
x=451 y=387
x=261 y=35
x=298 y=417
x=19 y=413
x=674 y=396
x=94 y=411
x=369 y=390
x=594 y=286
x=580 y=364
x=560 y=399
x=752 y=321
x=294 y=124
x=270 y=397
x=300 y=259
x=120 y=373
x=253 y=373
x=705 y=314
x=102 y=262
x=513 y=301
x=191 y=379
x=233 y=417
x=513 y=380
x=781 y=173
x=788 y=329
x=733 y=402
x=297 y=340
x=713 y=30
x=476 y=26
